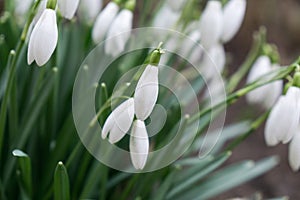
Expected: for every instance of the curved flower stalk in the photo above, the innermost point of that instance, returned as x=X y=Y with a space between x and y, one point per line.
x=103 y=21
x=119 y=121
x=267 y=94
x=211 y=24
x=283 y=122
x=146 y=92
x=233 y=16
x=68 y=8
x=139 y=144
x=89 y=9
x=120 y=29
x=43 y=39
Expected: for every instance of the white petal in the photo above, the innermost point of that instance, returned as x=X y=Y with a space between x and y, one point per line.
x=294 y=152
x=89 y=9
x=234 y=12
x=68 y=7
x=263 y=95
x=213 y=62
x=44 y=38
x=119 y=121
x=104 y=21
x=139 y=145
x=165 y=18
x=283 y=121
x=176 y=5
x=146 y=92
x=119 y=28
x=22 y=7
x=30 y=57
x=211 y=24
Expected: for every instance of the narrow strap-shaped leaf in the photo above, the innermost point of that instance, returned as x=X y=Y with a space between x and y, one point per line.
x=202 y=172
x=61 y=183
x=24 y=173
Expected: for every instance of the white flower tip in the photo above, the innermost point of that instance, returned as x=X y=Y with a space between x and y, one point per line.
x=139 y=145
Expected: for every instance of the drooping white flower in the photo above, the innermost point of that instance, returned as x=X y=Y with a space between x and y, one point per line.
x=233 y=15
x=146 y=92
x=103 y=21
x=267 y=94
x=119 y=121
x=294 y=151
x=283 y=121
x=68 y=8
x=22 y=7
x=139 y=144
x=213 y=61
x=43 y=39
x=120 y=29
x=166 y=17
x=176 y=5
x=89 y=9
x=211 y=24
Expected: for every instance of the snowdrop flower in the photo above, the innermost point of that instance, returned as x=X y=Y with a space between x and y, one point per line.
x=139 y=144
x=211 y=23
x=43 y=39
x=22 y=7
x=213 y=61
x=176 y=5
x=267 y=94
x=294 y=151
x=146 y=92
x=166 y=17
x=89 y=9
x=119 y=121
x=68 y=8
x=283 y=122
x=103 y=21
x=120 y=28
x=233 y=15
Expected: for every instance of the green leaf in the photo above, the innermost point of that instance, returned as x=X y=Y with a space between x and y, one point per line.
x=24 y=173
x=228 y=178
x=195 y=174
x=165 y=186
x=61 y=183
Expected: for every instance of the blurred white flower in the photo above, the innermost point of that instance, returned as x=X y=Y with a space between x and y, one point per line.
x=22 y=7
x=103 y=21
x=166 y=17
x=89 y=9
x=233 y=15
x=267 y=94
x=213 y=62
x=43 y=39
x=146 y=92
x=120 y=30
x=119 y=121
x=176 y=5
x=283 y=121
x=139 y=144
x=68 y=8
x=211 y=24
x=294 y=151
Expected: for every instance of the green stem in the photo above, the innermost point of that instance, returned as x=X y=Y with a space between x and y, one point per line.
x=256 y=50
x=236 y=95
